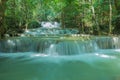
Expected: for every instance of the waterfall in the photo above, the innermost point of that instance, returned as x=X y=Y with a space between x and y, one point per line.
x=57 y=46
x=60 y=58
x=50 y=24
x=108 y=42
x=47 y=46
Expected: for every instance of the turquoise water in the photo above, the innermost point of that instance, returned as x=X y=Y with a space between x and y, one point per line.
x=55 y=59
x=102 y=65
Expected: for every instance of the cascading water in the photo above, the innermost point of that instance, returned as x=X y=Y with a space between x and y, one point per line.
x=60 y=58
x=50 y=28
x=47 y=45
x=108 y=42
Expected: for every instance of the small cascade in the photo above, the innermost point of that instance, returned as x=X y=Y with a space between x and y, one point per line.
x=51 y=50
x=24 y=44
x=50 y=24
x=50 y=46
x=50 y=28
x=51 y=31
x=108 y=42
x=75 y=47
x=116 y=41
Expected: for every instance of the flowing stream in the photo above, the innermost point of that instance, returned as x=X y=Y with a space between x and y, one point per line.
x=60 y=58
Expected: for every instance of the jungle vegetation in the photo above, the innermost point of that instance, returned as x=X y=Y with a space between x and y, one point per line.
x=97 y=17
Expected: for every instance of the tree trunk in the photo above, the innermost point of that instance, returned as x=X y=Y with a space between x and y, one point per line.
x=110 y=17
x=94 y=18
x=83 y=14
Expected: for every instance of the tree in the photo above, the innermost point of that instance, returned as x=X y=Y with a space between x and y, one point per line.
x=2 y=16
x=110 y=17
x=89 y=16
x=117 y=19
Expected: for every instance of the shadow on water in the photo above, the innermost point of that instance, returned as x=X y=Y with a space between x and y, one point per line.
x=55 y=59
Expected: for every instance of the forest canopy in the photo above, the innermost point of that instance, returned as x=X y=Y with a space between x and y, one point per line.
x=99 y=17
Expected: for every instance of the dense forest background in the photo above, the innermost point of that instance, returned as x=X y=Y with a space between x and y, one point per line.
x=98 y=17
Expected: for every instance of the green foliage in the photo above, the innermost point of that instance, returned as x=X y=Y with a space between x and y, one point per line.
x=89 y=16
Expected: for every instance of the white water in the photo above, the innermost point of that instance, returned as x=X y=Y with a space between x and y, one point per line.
x=50 y=24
